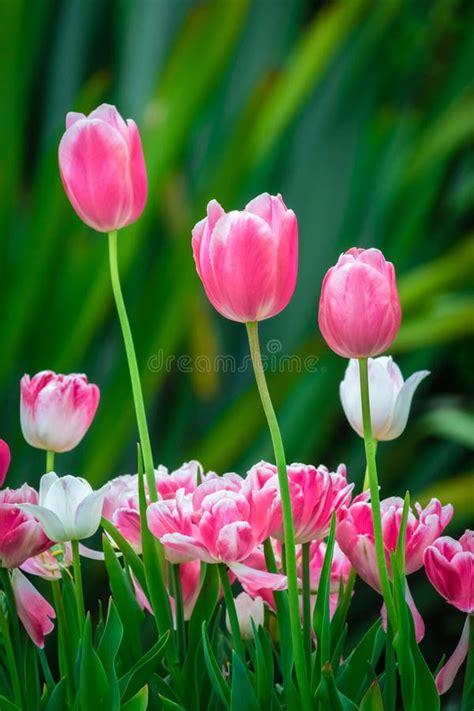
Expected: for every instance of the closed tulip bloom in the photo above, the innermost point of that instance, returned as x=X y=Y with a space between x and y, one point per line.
x=21 y=536
x=103 y=169
x=56 y=410
x=248 y=260
x=449 y=565
x=33 y=609
x=247 y=609
x=5 y=459
x=355 y=534
x=359 y=308
x=68 y=508
x=390 y=397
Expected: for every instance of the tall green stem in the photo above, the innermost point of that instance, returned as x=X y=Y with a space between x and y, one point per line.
x=76 y=562
x=12 y=662
x=468 y=690
x=63 y=639
x=305 y=549
x=231 y=611
x=179 y=609
x=133 y=368
x=49 y=461
x=374 y=493
x=288 y=529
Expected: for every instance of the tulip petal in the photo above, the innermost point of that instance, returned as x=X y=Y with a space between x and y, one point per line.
x=88 y=514
x=254 y=580
x=51 y=524
x=33 y=609
x=181 y=548
x=447 y=674
x=46 y=483
x=403 y=403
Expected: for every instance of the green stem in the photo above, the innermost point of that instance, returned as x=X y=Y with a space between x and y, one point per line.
x=76 y=562
x=289 y=534
x=12 y=665
x=49 y=461
x=133 y=368
x=46 y=670
x=468 y=690
x=306 y=602
x=374 y=493
x=63 y=639
x=231 y=611
x=179 y=610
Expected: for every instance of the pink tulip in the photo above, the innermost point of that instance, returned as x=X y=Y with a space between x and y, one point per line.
x=187 y=477
x=315 y=494
x=359 y=309
x=48 y=565
x=248 y=609
x=449 y=565
x=447 y=674
x=21 y=536
x=5 y=459
x=103 y=169
x=248 y=260
x=355 y=534
x=33 y=609
x=56 y=410
x=218 y=523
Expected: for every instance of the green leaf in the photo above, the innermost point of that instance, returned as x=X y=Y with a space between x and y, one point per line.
x=131 y=682
x=218 y=682
x=242 y=692
x=372 y=699
x=94 y=690
x=321 y=618
x=57 y=700
x=8 y=705
x=390 y=677
x=400 y=550
x=108 y=648
x=168 y=704
x=139 y=702
x=125 y=600
x=264 y=665
x=126 y=549
x=353 y=673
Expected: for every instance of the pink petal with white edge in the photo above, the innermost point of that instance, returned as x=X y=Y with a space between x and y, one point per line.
x=254 y=579
x=447 y=674
x=33 y=609
x=180 y=548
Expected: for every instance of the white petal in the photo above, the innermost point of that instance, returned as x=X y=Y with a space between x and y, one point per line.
x=89 y=511
x=51 y=524
x=64 y=496
x=47 y=480
x=403 y=404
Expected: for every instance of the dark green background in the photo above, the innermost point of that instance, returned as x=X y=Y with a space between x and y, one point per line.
x=360 y=113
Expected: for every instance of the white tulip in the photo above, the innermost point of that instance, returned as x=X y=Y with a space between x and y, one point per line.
x=68 y=508
x=390 y=397
x=247 y=608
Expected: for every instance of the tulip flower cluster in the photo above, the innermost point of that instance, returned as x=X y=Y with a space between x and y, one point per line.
x=227 y=590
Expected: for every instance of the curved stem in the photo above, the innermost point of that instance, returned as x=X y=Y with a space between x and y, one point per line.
x=374 y=493
x=231 y=611
x=133 y=368
x=49 y=461
x=288 y=529
x=305 y=548
x=76 y=562
x=12 y=664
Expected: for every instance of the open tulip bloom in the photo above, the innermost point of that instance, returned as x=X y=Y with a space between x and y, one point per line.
x=225 y=590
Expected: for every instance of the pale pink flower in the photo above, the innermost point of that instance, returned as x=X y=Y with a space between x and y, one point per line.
x=33 y=609
x=56 y=410
x=48 y=565
x=359 y=309
x=447 y=674
x=449 y=565
x=315 y=494
x=390 y=397
x=5 y=459
x=216 y=524
x=103 y=169
x=248 y=260
x=355 y=534
x=248 y=608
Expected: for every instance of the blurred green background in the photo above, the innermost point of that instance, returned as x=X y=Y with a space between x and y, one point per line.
x=360 y=113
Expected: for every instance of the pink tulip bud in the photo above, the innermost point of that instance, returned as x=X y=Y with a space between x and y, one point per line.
x=103 y=169
x=247 y=609
x=56 y=410
x=248 y=260
x=449 y=565
x=355 y=534
x=21 y=536
x=5 y=459
x=33 y=609
x=359 y=309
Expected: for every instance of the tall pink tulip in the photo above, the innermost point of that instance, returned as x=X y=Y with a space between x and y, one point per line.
x=355 y=534
x=103 y=169
x=33 y=609
x=5 y=459
x=315 y=494
x=359 y=309
x=248 y=260
x=216 y=524
x=56 y=410
x=449 y=565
